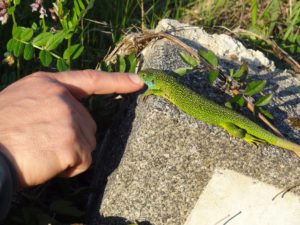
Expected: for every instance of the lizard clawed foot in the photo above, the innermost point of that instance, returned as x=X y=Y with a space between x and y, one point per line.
x=150 y=92
x=253 y=140
x=144 y=98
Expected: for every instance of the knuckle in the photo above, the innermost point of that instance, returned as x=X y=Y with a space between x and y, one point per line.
x=87 y=161
x=71 y=159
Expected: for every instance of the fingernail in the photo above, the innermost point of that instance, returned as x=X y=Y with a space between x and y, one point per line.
x=135 y=78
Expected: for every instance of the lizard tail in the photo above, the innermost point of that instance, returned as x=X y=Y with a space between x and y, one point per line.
x=288 y=145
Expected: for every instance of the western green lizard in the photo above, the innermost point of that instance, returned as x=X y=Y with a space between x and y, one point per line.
x=161 y=84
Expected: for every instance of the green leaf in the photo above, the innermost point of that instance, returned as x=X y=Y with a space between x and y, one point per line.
x=188 y=59
x=17 y=2
x=80 y=3
x=264 y=100
x=55 y=40
x=242 y=71
x=265 y=113
x=229 y=105
x=18 y=48
x=69 y=34
x=42 y=39
x=292 y=48
x=109 y=68
x=34 y=26
x=71 y=25
x=270 y=15
x=28 y=52
x=181 y=71
x=209 y=57
x=11 y=10
x=255 y=87
x=121 y=64
x=212 y=76
x=45 y=58
x=132 y=63
x=26 y=34
x=61 y=65
x=298 y=40
x=66 y=208
x=73 y=52
x=22 y=33
x=76 y=8
x=237 y=101
x=16 y=32
x=10 y=45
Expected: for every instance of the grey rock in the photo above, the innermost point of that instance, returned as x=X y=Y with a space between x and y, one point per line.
x=158 y=160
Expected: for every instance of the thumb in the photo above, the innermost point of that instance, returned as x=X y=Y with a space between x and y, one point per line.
x=83 y=83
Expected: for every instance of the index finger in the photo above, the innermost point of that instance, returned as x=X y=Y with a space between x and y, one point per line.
x=83 y=83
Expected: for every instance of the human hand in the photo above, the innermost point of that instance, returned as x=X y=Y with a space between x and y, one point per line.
x=44 y=130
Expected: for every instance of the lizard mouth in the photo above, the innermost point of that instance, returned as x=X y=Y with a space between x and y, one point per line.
x=150 y=84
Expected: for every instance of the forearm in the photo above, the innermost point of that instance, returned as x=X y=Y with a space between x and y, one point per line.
x=8 y=184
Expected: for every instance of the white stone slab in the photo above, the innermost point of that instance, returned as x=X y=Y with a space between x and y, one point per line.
x=231 y=198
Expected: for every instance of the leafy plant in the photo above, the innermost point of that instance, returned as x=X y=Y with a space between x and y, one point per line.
x=209 y=57
x=124 y=64
x=51 y=39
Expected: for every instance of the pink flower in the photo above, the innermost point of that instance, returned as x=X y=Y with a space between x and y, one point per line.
x=37 y=5
x=3 y=11
x=34 y=7
x=53 y=14
x=3 y=4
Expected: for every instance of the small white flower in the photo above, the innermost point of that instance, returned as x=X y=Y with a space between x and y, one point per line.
x=4 y=19
x=43 y=12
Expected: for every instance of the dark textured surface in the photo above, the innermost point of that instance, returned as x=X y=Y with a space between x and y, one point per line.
x=169 y=157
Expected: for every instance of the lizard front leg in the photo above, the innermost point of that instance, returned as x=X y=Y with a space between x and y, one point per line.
x=151 y=92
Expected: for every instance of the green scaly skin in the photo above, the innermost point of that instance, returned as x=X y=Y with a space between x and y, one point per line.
x=161 y=84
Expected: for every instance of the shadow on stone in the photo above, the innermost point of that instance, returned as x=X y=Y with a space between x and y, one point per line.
x=120 y=221
x=108 y=156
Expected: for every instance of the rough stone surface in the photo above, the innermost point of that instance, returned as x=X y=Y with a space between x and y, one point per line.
x=221 y=44
x=164 y=158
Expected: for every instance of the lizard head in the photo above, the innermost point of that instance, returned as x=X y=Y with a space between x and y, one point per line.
x=149 y=77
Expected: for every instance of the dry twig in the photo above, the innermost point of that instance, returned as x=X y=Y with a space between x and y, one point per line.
x=283 y=192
